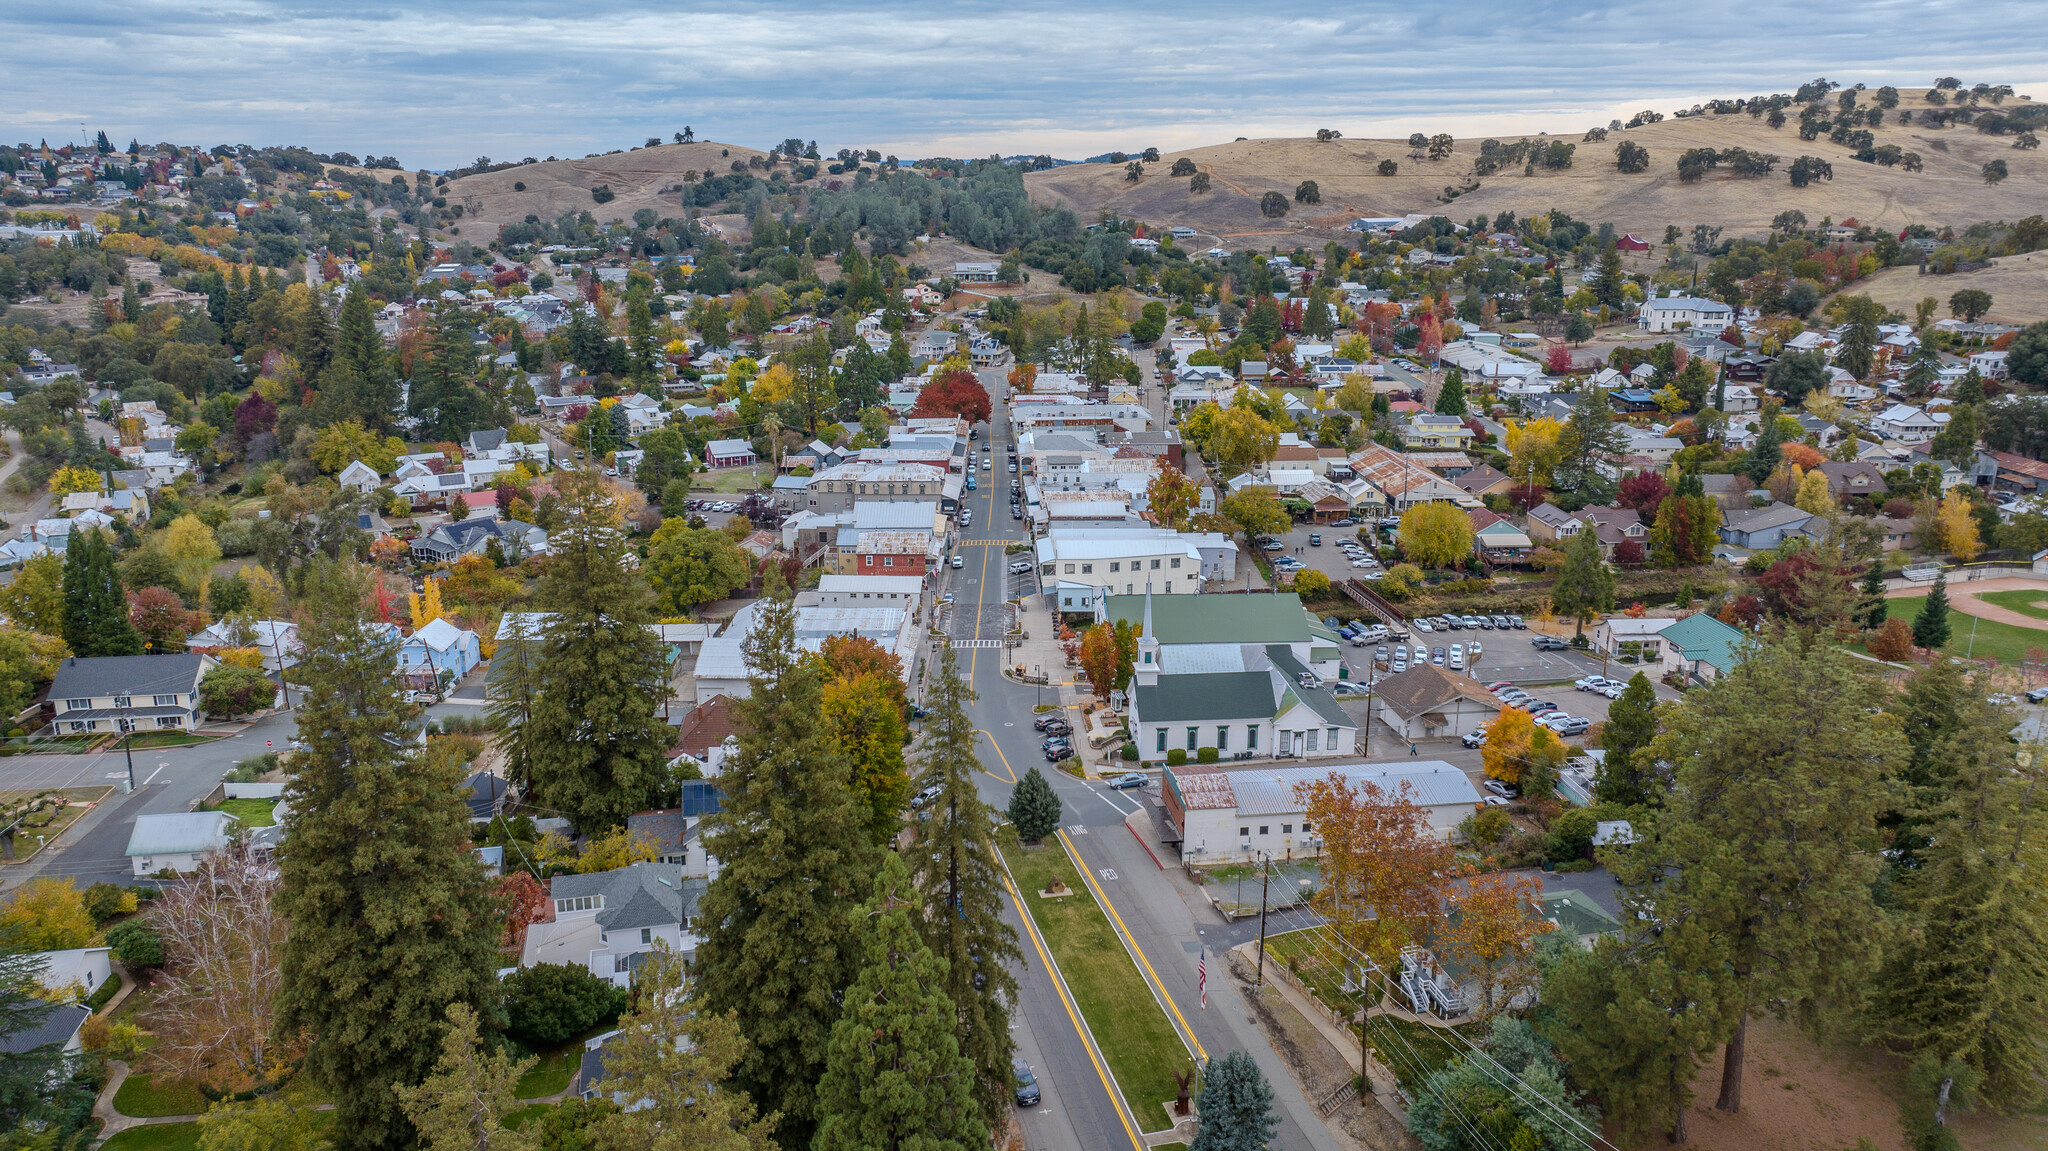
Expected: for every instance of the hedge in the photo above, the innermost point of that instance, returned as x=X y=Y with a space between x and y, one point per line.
x=1177 y=757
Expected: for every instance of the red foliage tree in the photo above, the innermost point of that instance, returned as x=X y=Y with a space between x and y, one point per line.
x=1783 y=583
x=1746 y=609
x=161 y=617
x=1628 y=552
x=1643 y=491
x=576 y=413
x=254 y=416
x=955 y=393
x=526 y=903
x=1429 y=339
x=1558 y=360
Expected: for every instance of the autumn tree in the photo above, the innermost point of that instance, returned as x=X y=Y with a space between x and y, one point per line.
x=956 y=393
x=1255 y=511
x=1171 y=496
x=1515 y=742
x=1645 y=492
x=1533 y=451
x=1955 y=526
x=1099 y=659
x=214 y=1007
x=1493 y=933
x=1378 y=853
x=1780 y=778
x=1436 y=534
x=1893 y=641
x=863 y=710
x=1686 y=526
x=1242 y=438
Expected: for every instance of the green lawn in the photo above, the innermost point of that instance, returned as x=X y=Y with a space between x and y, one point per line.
x=732 y=481
x=165 y=739
x=252 y=812
x=1141 y=1045
x=145 y=1097
x=2005 y=642
x=1311 y=962
x=2023 y=601
x=550 y=1076
x=161 y=1137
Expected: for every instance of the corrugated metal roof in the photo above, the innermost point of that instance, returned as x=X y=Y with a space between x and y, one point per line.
x=1270 y=791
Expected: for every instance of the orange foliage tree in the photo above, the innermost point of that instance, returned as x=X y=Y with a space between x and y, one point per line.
x=526 y=903
x=1493 y=929
x=1099 y=658
x=1384 y=869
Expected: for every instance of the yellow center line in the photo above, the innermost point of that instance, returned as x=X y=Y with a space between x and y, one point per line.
x=999 y=753
x=1130 y=941
x=1116 y=1099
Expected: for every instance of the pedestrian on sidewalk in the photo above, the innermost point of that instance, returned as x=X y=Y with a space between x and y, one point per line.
x=1411 y=747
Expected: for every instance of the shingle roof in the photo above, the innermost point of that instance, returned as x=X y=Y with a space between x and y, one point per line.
x=638 y=895
x=1426 y=687
x=126 y=675
x=1318 y=699
x=54 y=1030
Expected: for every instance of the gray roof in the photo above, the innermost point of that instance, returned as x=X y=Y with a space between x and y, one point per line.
x=179 y=832
x=1318 y=699
x=55 y=1030
x=639 y=895
x=484 y=441
x=1762 y=519
x=126 y=675
x=669 y=829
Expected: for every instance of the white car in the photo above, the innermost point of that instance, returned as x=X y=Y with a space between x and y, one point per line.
x=1423 y=625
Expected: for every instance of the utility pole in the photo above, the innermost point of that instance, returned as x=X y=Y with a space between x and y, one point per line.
x=1265 y=880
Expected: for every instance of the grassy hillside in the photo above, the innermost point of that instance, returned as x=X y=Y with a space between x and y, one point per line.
x=1949 y=191
x=637 y=179
x=2018 y=287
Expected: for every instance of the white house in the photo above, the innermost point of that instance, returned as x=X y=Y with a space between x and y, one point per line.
x=177 y=841
x=608 y=921
x=1906 y=424
x=1225 y=813
x=360 y=476
x=1428 y=701
x=1675 y=312
x=79 y=970
x=277 y=639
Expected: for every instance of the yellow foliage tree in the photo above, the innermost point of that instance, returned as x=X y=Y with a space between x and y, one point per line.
x=190 y=544
x=773 y=386
x=344 y=442
x=1514 y=741
x=615 y=849
x=266 y=595
x=68 y=480
x=1813 y=495
x=47 y=915
x=248 y=657
x=425 y=607
x=1533 y=451
x=1437 y=534
x=1955 y=525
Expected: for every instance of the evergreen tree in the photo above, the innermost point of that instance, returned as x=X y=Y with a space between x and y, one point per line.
x=895 y=1076
x=1875 y=611
x=1764 y=457
x=1631 y=725
x=95 y=605
x=131 y=302
x=594 y=743
x=515 y=688
x=1589 y=437
x=462 y=1104
x=1967 y=980
x=640 y=337
x=1234 y=1111
x=27 y=1077
x=1451 y=400
x=1635 y=1016
x=1780 y=781
x=1034 y=807
x=375 y=393
x=780 y=949
x=954 y=863
x=444 y=394
x=1585 y=584
x=1930 y=627
x=392 y=918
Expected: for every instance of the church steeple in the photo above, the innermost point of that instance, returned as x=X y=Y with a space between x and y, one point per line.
x=1147 y=671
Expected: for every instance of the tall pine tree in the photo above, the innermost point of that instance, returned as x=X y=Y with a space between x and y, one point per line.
x=779 y=950
x=1765 y=838
x=595 y=744
x=1631 y=725
x=954 y=863
x=95 y=605
x=1585 y=584
x=1930 y=627
x=895 y=1077
x=374 y=394
x=1969 y=980
x=392 y=918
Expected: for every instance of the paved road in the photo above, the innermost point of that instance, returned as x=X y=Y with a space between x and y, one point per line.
x=167 y=779
x=1164 y=917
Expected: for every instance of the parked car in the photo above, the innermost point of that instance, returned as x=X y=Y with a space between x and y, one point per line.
x=925 y=796
x=1129 y=781
x=1548 y=643
x=1504 y=790
x=1027 y=1083
x=2038 y=695
x=1020 y=567
x=1590 y=683
x=959 y=562
x=1474 y=738
x=1047 y=720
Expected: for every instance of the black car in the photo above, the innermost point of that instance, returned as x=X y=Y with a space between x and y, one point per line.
x=1055 y=754
x=1047 y=720
x=1027 y=1083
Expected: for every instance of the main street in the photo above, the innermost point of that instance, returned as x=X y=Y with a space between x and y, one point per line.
x=1160 y=914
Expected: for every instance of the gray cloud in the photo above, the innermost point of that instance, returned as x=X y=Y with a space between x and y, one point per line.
x=438 y=83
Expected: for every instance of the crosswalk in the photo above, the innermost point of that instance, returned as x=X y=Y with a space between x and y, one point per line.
x=973 y=643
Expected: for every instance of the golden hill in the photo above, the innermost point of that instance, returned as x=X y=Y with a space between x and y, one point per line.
x=2018 y=287
x=638 y=179
x=1949 y=191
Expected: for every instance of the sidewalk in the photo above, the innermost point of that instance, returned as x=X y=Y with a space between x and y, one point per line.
x=1339 y=1038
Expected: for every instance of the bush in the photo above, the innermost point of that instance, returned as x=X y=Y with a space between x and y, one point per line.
x=550 y=1003
x=229 y=690
x=1571 y=835
x=135 y=944
x=1488 y=825
x=1311 y=584
x=105 y=901
x=1177 y=757
x=250 y=769
x=1129 y=753
x=1205 y=755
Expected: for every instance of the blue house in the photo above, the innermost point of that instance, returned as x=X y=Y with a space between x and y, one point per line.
x=1767 y=527
x=1632 y=400
x=439 y=647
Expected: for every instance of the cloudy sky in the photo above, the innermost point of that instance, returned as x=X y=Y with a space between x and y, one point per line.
x=438 y=83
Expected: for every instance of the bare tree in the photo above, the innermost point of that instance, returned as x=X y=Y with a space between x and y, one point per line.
x=223 y=940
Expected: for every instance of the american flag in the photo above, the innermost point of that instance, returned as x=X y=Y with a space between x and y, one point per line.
x=1202 y=977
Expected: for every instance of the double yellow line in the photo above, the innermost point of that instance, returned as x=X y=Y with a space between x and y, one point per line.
x=1130 y=942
